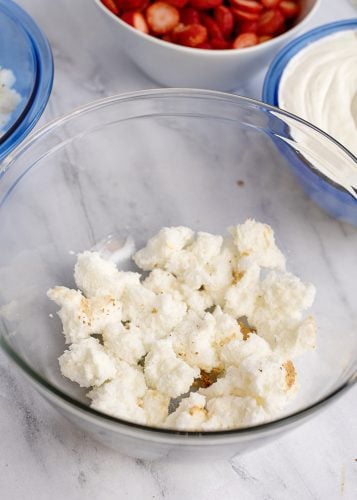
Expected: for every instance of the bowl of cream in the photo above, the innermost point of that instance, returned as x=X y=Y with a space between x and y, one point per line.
x=315 y=78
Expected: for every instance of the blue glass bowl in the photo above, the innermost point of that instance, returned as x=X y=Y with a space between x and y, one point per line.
x=26 y=52
x=329 y=196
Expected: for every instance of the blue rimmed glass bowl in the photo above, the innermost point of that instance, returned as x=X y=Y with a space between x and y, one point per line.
x=26 y=52
x=338 y=201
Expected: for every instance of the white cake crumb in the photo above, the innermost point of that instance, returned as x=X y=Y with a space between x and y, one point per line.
x=204 y=341
x=122 y=397
x=156 y=407
x=87 y=363
x=166 y=372
x=190 y=415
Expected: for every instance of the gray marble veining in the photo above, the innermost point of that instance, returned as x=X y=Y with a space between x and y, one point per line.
x=43 y=456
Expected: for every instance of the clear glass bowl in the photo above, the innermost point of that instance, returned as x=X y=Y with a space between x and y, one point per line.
x=130 y=165
x=25 y=51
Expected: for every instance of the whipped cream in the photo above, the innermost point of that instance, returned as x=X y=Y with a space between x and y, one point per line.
x=320 y=85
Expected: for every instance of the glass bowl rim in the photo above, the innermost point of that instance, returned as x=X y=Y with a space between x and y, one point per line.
x=41 y=49
x=58 y=393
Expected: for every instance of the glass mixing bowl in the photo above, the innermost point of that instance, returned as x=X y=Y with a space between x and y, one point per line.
x=25 y=51
x=130 y=165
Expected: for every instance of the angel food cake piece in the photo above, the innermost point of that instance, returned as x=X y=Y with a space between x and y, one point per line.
x=204 y=341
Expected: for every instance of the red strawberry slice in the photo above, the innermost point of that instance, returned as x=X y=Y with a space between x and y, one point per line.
x=264 y=38
x=213 y=29
x=270 y=22
x=176 y=30
x=137 y=20
x=242 y=15
x=167 y=38
x=220 y=44
x=189 y=15
x=162 y=17
x=247 y=5
x=245 y=40
x=177 y=3
x=248 y=27
x=129 y=5
x=270 y=4
x=289 y=9
x=205 y=4
x=112 y=6
x=225 y=20
x=192 y=35
x=204 y=45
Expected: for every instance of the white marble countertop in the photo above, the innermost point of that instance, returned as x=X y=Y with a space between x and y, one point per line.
x=43 y=456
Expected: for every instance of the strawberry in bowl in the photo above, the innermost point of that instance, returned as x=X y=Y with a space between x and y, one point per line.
x=199 y=43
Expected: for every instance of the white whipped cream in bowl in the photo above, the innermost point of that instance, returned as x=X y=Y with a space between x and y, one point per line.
x=315 y=78
x=320 y=85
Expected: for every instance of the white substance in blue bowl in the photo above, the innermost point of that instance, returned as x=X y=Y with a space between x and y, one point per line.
x=9 y=98
x=320 y=85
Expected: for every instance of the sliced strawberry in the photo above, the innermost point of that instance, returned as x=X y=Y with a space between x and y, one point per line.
x=129 y=5
x=247 y=6
x=189 y=15
x=242 y=15
x=213 y=29
x=162 y=17
x=204 y=45
x=167 y=38
x=248 y=26
x=270 y=22
x=264 y=38
x=224 y=19
x=137 y=20
x=112 y=6
x=245 y=40
x=220 y=44
x=289 y=9
x=177 y=3
x=270 y=4
x=176 y=30
x=205 y=4
x=192 y=35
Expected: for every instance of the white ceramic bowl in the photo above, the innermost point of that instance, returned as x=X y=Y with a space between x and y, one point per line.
x=177 y=66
